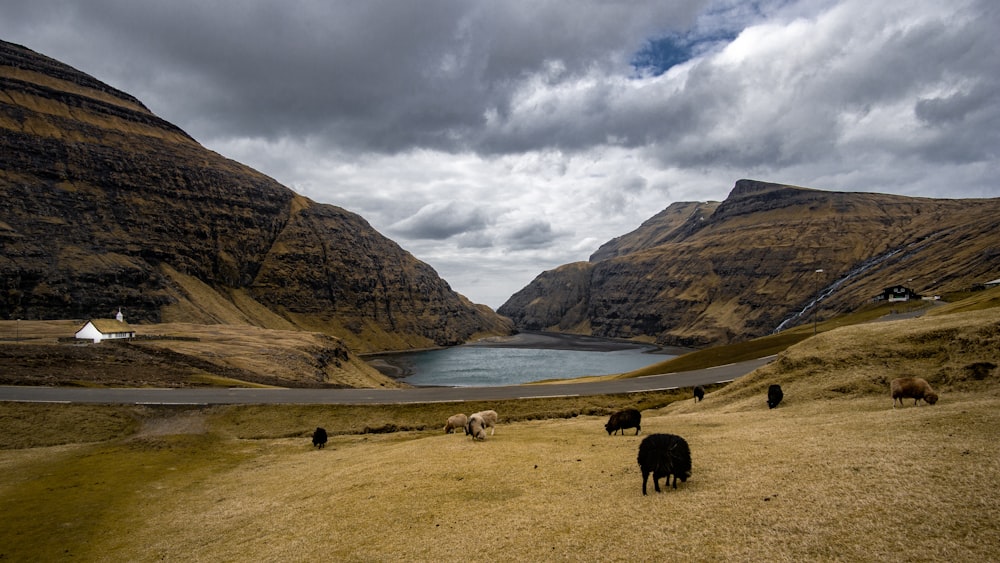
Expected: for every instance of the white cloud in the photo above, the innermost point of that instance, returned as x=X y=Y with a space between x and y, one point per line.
x=497 y=140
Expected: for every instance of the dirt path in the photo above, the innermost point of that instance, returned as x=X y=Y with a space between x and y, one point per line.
x=186 y=422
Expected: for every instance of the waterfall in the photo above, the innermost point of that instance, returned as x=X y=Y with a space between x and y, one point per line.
x=864 y=266
x=828 y=290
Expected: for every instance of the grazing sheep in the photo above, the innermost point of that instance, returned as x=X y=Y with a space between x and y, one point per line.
x=319 y=438
x=628 y=418
x=699 y=393
x=455 y=422
x=774 y=396
x=479 y=422
x=490 y=418
x=915 y=388
x=664 y=455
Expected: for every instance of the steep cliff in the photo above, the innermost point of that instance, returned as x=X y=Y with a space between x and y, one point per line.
x=707 y=273
x=105 y=205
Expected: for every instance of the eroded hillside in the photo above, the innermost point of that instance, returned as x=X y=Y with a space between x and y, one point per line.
x=713 y=273
x=105 y=205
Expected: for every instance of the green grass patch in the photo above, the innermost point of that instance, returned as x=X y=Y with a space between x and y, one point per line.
x=771 y=344
x=220 y=381
x=32 y=425
x=61 y=500
x=299 y=421
x=970 y=301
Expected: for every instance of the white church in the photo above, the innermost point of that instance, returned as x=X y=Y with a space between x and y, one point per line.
x=106 y=329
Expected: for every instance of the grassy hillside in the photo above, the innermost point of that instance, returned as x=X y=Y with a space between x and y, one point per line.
x=181 y=355
x=834 y=473
x=699 y=275
x=119 y=208
x=775 y=343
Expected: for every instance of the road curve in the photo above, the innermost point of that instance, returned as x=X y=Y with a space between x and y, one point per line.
x=244 y=396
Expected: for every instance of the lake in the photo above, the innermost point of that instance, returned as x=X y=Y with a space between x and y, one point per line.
x=497 y=362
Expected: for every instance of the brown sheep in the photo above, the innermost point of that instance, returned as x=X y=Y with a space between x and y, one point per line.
x=455 y=422
x=628 y=418
x=914 y=388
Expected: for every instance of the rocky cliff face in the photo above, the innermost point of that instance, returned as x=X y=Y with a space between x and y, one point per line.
x=105 y=205
x=707 y=273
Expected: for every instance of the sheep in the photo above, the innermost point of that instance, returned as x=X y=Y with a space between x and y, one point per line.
x=915 y=388
x=479 y=422
x=774 y=395
x=490 y=418
x=699 y=393
x=455 y=422
x=319 y=438
x=664 y=455
x=628 y=418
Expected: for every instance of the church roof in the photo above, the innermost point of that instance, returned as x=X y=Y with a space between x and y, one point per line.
x=109 y=326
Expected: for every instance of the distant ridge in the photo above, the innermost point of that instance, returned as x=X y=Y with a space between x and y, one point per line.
x=717 y=272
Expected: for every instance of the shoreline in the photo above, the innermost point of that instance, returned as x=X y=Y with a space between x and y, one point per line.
x=388 y=364
x=562 y=341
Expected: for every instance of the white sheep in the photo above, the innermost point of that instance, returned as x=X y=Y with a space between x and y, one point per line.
x=455 y=422
x=479 y=422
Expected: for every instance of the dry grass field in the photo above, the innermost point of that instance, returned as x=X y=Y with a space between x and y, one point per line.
x=180 y=355
x=833 y=474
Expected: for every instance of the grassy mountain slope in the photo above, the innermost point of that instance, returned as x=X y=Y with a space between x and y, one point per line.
x=712 y=273
x=105 y=205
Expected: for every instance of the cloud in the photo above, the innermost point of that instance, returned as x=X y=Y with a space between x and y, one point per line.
x=385 y=77
x=532 y=234
x=443 y=220
x=496 y=140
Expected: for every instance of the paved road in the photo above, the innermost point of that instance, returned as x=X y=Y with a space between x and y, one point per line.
x=373 y=396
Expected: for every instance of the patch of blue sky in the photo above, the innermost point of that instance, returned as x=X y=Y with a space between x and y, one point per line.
x=663 y=53
x=719 y=23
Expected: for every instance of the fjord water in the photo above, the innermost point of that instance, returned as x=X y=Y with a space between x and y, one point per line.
x=483 y=366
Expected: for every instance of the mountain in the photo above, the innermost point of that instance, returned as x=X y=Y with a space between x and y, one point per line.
x=718 y=272
x=105 y=205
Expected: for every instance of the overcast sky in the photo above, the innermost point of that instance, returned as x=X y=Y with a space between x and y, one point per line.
x=498 y=139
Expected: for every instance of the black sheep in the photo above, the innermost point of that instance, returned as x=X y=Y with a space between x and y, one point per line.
x=319 y=437
x=664 y=455
x=628 y=418
x=774 y=395
x=699 y=393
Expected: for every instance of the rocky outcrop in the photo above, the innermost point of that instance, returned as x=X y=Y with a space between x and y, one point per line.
x=105 y=205
x=557 y=300
x=709 y=273
x=676 y=222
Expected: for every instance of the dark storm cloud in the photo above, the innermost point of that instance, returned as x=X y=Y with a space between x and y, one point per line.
x=439 y=221
x=535 y=234
x=509 y=77
x=524 y=134
x=382 y=76
x=505 y=78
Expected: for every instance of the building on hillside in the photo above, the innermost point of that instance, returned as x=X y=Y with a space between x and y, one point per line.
x=992 y=283
x=106 y=329
x=897 y=293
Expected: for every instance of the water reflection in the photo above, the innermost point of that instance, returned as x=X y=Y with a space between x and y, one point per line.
x=488 y=366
